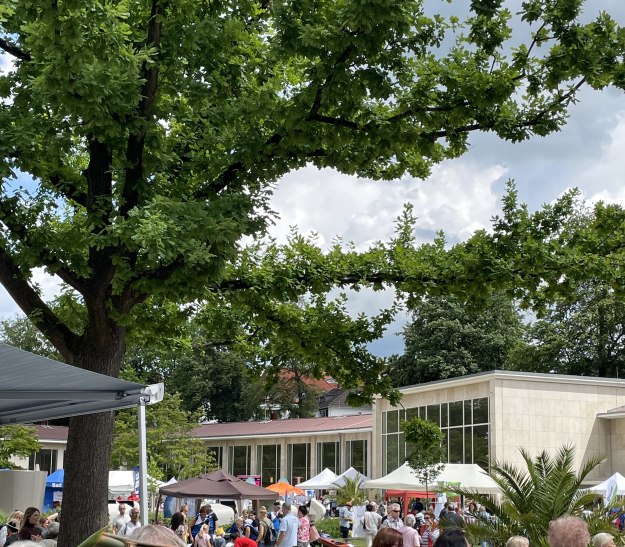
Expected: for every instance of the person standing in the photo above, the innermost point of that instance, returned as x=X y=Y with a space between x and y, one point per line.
x=431 y=531
x=409 y=533
x=198 y=520
x=303 y=530
x=120 y=519
x=370 y=523
x=346 y=519
x=393 y=520
x=132 y=524
x=288 y=528
x=266 y=533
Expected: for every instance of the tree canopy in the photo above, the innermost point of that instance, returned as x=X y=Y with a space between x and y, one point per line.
x=449 y=337
x=581 y=334
x=145 y=138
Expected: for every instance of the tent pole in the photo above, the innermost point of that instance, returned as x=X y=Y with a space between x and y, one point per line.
x=143 y=464
x=158 y=504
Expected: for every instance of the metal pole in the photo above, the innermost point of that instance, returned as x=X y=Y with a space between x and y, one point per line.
x=143 y=464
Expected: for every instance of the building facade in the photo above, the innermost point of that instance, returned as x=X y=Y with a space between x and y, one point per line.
x=493 y=414
x=293 y=449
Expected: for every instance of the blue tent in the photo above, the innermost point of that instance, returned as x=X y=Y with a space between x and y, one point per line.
x=54 y=483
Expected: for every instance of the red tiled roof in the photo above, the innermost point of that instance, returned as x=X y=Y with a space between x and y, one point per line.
x=284 y=427
x=51 y=432
x=322 y=384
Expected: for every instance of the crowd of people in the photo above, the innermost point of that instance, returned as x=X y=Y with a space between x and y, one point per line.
x=29 y=527
x=289 y=526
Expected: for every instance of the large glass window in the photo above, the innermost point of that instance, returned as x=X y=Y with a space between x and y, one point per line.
x=455 y=414
x=328 y=455
x=240 y=460
x=392 y=421
x=298 y=462
x=464 y=425
x=44 y=460
x=481 y=454
x=357 y=456
x=268 y=461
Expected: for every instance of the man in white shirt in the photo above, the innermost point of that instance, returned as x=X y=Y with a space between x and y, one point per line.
x=133 y=524
x=121 y=519
x=288 y=528
x=393 y=520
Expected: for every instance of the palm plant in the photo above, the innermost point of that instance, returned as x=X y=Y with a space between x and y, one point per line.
x=350 y=491
x=531 y=498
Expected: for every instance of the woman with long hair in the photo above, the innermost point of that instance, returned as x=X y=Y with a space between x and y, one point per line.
x=178 y=525
x=388 y=537
x=31 y=518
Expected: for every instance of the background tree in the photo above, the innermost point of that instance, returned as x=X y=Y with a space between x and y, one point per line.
x=545 y=489
x=20 y=332
x=17 y=440
x=450 y=337
x=154 y=132
x=582 y=334
x=172 y=451
x=427 y=456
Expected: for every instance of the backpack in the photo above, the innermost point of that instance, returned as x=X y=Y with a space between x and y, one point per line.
x=253 y=532
x=270 y=534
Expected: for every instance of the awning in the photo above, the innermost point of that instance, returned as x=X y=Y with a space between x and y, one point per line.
x=34 y=388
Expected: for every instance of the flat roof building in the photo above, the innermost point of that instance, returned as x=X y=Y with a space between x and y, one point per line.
x=493 y=414
x=294 y=449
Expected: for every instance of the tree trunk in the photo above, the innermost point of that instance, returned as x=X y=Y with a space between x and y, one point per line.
x=85 y=490
x=88 y=453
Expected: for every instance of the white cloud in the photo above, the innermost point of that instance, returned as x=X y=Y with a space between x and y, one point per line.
x=458 y=198
x=603 y=180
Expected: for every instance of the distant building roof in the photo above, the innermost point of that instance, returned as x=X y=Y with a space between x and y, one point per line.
x=322 y=384
x=51 y=433
x=281 y=428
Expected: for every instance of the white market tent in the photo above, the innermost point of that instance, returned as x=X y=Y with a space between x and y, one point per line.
x=351 y=473
x=469 y=476
x=34 y=388
x=615 y=481
x=322 y=481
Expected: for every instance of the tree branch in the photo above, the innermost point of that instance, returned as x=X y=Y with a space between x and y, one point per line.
x=44 y=254
x=12 y=49
x=136 y=141
x=63 y=339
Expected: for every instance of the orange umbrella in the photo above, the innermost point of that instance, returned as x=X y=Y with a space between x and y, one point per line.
x=284 y=488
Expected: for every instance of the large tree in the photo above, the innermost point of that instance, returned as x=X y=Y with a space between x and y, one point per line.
x=449 y=337
x=153 y=132
x=581 y=334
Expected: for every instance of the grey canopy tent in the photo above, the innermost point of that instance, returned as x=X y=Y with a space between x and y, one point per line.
x=34 y=388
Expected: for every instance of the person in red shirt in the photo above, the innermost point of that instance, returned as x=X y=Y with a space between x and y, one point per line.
x=245 y=542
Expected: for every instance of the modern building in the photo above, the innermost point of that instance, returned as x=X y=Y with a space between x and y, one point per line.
x=293 y=449
x=483 y=416
x=493 y=414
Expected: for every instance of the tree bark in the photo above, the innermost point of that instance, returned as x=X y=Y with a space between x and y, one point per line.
x=86 y=477
x=88 y=453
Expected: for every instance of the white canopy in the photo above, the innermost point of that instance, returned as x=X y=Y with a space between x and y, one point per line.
x=322 y=481
x=469 y=476
x=351 y=473
x=616 y=479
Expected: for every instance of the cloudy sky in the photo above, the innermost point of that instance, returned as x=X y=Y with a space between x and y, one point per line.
x=461 y=195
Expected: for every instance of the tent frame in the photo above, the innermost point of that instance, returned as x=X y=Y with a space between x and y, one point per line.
x=70 y=391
